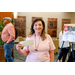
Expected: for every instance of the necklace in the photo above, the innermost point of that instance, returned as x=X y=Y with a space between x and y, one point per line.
x=36 y=47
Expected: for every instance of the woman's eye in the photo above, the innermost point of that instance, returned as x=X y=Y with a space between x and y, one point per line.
x=35 y=25
x=39 y=24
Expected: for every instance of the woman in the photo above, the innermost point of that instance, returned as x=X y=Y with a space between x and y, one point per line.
x=43 y=48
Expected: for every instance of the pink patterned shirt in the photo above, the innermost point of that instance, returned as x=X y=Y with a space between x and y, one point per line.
x=8 y=33
x=42 y=55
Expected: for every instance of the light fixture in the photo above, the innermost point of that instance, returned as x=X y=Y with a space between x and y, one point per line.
x=15 y=15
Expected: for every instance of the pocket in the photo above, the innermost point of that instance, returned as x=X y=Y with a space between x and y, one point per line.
x=11 y=44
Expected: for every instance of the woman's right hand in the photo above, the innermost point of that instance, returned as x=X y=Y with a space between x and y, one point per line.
x=18 y=47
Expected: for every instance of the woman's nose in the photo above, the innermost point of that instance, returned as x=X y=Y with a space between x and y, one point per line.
x=37 y=26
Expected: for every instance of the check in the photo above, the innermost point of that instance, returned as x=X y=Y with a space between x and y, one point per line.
x=27 y=43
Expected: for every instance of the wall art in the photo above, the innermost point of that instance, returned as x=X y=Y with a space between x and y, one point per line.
x=65 y=21
x=20 y=25
x=33 y=18
x=52 y=27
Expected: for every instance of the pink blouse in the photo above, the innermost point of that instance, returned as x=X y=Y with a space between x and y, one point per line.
x=42 y=55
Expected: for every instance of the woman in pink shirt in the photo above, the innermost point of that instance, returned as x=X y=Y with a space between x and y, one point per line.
x=43 y=48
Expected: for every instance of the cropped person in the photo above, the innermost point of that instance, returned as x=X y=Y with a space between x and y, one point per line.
x=43 y=48
x=65 y=48
x=8 y=36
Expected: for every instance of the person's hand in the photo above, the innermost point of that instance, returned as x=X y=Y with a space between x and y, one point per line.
x=18 y=46
x=27 y=48
x=7 y=42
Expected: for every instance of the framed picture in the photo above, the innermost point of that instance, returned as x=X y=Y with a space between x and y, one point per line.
x=52 y=27
x=65 y=21
x=20 y=25
x=33 y=18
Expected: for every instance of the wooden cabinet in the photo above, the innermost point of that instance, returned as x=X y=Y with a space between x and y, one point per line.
x=2 y=58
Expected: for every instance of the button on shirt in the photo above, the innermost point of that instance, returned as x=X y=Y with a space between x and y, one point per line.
x=8 y=33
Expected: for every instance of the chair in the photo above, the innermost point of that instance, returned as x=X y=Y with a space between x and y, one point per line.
x=56 y=43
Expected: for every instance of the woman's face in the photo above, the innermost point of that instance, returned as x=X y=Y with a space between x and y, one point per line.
x=38 y=27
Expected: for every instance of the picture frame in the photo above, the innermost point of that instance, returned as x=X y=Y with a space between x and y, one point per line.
x=65 y=21
x=20 y=25
x=33 y=18
x=52 y=27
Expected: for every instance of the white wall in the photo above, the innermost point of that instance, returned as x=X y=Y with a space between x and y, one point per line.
x=46 y=15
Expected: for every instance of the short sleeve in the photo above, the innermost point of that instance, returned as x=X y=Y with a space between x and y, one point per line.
x=51 y=44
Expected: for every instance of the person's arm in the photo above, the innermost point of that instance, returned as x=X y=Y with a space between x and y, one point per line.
x=51 y=48
x=11 y=32
x=22 y=51
x=51 y=52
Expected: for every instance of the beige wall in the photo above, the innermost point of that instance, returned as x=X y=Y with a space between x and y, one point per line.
x=46 y=15
x=73 y=17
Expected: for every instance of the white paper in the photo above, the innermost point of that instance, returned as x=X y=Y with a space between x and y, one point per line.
x=27 y=43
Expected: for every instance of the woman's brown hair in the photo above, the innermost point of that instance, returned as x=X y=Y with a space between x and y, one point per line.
x=43 y=31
